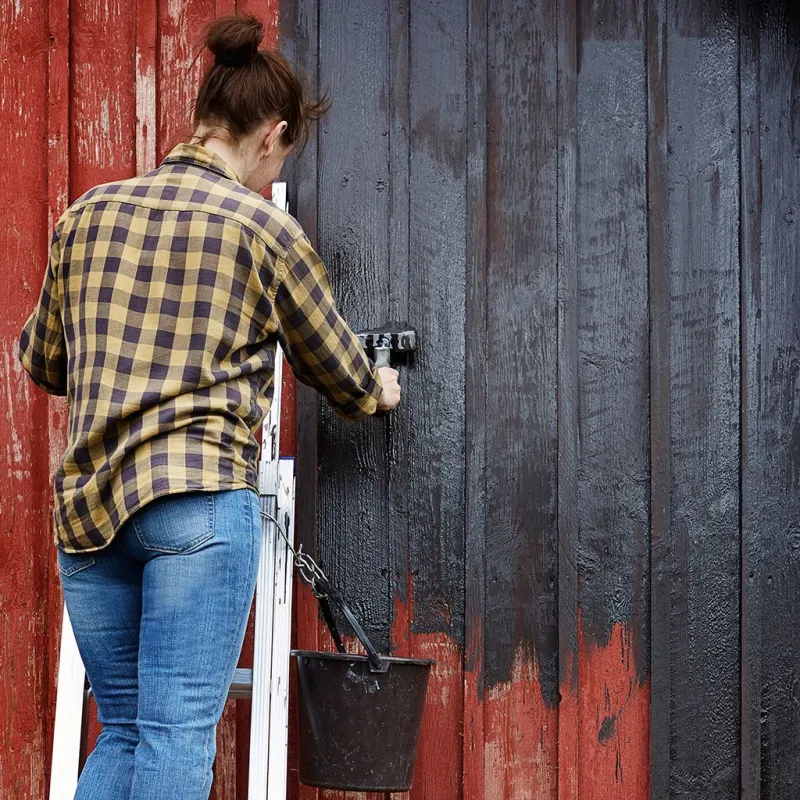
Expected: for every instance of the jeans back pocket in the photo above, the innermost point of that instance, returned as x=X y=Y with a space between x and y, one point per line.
x=70 y=563
x=175 y=523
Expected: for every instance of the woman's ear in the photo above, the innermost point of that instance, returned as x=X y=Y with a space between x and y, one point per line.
x=273 y=136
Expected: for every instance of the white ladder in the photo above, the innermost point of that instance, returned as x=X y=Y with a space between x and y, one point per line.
x=268 y=682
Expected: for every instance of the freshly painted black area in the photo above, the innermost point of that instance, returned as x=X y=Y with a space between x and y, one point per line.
x=703 y=218
x=566 y=489
x=353 y=220
x=477 y=376
x=770 y=217
x=437 y=280
x=588 y=210
x=613 y=327
x=660 y=469
x=522 y=328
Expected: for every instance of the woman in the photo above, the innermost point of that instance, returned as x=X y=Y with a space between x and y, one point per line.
x=162 y=305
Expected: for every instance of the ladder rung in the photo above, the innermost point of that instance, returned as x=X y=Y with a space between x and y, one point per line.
x=242 y=684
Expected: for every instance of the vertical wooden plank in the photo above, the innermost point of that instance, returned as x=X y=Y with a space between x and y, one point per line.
x=400 y=421
x=435 y=416
x=268 y=11
x=353 y=175
x=476 y=394
x=180 y=68
x=299 y=41
x=146 y=99
x=25 y=528
x=660 y=468
x=103 y=93
x=705 y=383
x=522 y=195
x=353 y=223
x=58 y=66
x=771 y=398
x=567 y=469
x=755 y=511
x=612 y=396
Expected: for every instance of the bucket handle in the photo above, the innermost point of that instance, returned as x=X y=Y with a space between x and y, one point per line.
x=326 y=594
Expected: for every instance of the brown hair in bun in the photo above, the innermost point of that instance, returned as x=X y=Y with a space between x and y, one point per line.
x=246 y=86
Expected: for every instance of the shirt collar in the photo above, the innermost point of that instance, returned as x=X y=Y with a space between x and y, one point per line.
x=201 y=157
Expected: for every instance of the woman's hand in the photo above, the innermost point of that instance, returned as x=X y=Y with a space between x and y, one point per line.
x=390 y=396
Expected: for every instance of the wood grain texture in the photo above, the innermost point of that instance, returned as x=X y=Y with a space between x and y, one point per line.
x=299 y=41
x=660 y=469
x=613 y=485
x=771 y=400
x=566 y=470
x=752 y=486
x=434 y=400
x=58 y=158
x=181 y=63
x=475 y=398
x=353 y=170
x=25 y=526
x=103 y=135
x=522 y=192
x=589 y=210
x=703 y=175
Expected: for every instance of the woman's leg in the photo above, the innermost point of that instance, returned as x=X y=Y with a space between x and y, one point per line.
x=103 y=592
x=201 y=550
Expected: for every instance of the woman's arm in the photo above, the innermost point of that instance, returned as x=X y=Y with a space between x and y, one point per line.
x=42 y=351
x=319 y=345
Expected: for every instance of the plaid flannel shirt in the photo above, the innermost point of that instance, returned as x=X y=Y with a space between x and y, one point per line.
x=162 y=304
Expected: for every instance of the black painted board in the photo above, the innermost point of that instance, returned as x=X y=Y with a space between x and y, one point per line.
x=771 y=474
x=299 y=44
x=352 y=213
x=568 y=622
x=475 y=393
x=751 y=547
x=437 y=274
x=613 y=329
x=401 y=419
x=522 y=330
x=703 y=174
x=660 y=470
x=477 y=374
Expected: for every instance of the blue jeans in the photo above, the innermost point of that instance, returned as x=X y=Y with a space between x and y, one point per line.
x=159 y=617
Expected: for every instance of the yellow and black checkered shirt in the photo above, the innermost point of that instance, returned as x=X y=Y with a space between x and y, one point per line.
x=161 y=308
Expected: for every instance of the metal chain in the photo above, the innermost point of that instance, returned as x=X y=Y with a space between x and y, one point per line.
x=309 y=570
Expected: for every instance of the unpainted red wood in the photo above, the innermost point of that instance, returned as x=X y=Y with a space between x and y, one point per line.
x=103 y=93
x=25 y=529
x=439 y=760
x=182 y=63
x=58 y=199
x=614 y=719
x=521 y=734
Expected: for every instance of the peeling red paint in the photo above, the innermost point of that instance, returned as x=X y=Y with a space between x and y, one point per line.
x=521 y=748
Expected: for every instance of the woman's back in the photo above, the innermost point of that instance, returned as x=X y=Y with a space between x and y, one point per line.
x=159 y=321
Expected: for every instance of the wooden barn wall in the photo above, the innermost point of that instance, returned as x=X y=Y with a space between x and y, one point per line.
x=586 y=508
x=89 y=92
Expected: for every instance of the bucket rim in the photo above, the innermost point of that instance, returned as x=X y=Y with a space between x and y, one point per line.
x=418 y=662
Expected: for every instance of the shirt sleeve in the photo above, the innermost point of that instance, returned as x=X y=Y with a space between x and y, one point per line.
x=319 y=345
x=42 y=351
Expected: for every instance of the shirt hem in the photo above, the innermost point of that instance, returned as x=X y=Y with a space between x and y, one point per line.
x=125 y=516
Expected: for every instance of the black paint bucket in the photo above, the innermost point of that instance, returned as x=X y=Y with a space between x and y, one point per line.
x=359 y=728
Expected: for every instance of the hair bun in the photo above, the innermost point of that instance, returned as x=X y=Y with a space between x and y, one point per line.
x=234 y=39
